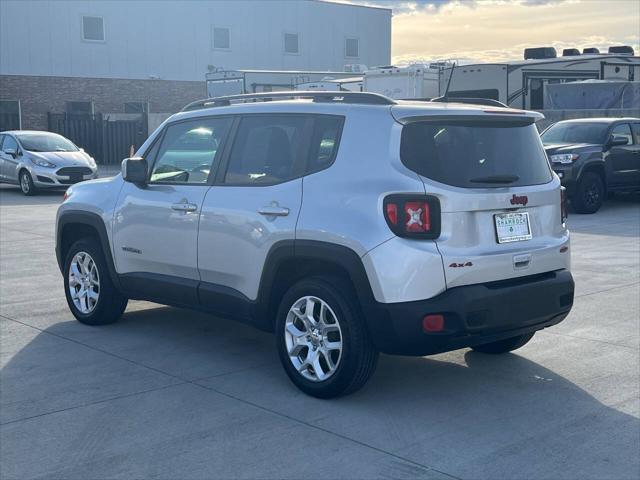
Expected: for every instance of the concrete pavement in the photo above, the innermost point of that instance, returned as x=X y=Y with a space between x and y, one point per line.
x=169 y=393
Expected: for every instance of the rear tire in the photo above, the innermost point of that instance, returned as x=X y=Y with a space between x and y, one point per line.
x=91 y=295
x=590 y=193
x=26 y=184
x=335 y=320
x=504 y=346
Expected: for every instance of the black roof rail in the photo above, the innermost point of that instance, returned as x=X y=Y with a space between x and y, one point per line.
x=473 y=101
x=362 y=98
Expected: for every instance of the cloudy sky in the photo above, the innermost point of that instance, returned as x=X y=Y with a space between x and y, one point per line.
x=494 y=30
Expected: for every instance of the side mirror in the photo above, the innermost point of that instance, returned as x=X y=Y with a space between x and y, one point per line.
x=134 y=170
x=11 y=151
x=617 y=140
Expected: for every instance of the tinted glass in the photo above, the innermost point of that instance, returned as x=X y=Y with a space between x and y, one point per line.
x=9 y=144
x=92 y=28
x=1 y=140
x=575 y=133
x=324 y=143
x=636 y=133
x=291 y=42
x=623 y=130
x=188 y=151
x=43 y=142
x=475 y=154
x=220 y=37
x=264 y=150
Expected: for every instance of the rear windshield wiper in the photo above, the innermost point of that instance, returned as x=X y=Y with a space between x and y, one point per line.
x=496 y=179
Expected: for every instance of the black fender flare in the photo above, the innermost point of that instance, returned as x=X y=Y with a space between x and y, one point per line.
x=94 y=221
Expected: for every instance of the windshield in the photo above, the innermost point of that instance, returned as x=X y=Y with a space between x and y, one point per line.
x=45 y=142
x=575 y=133
x=475 y=154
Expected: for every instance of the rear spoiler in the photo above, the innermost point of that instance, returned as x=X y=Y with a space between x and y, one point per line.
x=451 y=114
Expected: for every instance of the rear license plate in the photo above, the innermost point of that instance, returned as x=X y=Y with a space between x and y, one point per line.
x=512 y=227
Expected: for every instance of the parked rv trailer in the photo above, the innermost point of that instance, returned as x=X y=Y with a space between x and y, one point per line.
x=521 y=84
x=413 y=81
x=350 y=84
x=235 y=82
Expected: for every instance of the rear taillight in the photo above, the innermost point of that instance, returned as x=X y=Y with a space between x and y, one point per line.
x=564 y=211
x=414 y=216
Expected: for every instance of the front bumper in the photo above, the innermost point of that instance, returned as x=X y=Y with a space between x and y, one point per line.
x=474 y=314
x=61 y=177
x=566 y=174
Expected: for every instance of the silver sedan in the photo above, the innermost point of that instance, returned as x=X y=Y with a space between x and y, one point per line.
x=37 y=160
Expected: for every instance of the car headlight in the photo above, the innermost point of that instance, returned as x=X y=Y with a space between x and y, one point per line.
x=565 y=158
x=92 y=162
x=41 y=162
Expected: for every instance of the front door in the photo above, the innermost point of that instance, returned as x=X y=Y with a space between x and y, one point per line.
x=156 y=226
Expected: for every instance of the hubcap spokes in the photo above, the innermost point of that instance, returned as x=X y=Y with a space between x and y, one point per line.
x=25 y=183
x=84 y=282
x=313 y=338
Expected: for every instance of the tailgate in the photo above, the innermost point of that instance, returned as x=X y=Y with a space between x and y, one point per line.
x=469 y=240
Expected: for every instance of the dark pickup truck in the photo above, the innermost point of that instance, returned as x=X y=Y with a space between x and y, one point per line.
x=594 y=157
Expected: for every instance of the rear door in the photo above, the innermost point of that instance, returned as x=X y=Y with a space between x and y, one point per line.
x=256 y=200
x=500 y=201
x=156 y=226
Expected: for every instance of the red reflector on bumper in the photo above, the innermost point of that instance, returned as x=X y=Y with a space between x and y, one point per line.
x=433 y=323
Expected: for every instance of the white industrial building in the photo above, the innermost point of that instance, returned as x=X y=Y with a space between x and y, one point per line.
x=104 y=55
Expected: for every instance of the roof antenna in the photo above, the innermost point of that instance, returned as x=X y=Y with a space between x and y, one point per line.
x=446 y=92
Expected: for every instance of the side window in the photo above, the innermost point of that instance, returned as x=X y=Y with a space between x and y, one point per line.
x=264 y=150
x=188 y=151
x=9 y=143
x=636 y=132
x=324 y=142
x=623 y=130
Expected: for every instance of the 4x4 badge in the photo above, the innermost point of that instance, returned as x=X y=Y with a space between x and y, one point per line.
x=522 y=200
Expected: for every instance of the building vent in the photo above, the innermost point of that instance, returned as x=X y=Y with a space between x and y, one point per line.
x=539 y=52
x=622 y=49
x=590 y=50
x=570 y=52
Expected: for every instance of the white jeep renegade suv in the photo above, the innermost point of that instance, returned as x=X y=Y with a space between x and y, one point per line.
x=349 y=224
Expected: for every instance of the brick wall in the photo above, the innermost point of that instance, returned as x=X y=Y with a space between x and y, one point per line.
x=39 y=95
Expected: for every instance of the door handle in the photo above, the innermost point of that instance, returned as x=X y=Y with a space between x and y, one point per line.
x=184 y=207
x=274 y=211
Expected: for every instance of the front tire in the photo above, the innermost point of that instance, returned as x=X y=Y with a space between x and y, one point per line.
x=322 y=339
x=590 y=193
x=26 y=184
x=504 y=346
x=91 y=295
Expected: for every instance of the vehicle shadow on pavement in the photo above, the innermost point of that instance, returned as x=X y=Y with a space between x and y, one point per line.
x=11 y=195
x=181 y=378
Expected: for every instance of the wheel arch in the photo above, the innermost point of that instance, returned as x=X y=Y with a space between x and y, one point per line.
x=74 y=225
x=596 y=166
x=290 y=261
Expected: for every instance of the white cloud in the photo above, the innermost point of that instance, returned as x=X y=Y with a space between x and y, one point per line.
x=498 y=30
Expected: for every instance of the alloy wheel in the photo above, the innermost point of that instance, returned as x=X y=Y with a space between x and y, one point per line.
x=24 y=183
x=313 y=338
x=84 y=282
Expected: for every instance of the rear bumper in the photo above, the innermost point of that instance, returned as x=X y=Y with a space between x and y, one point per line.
x=474 y=314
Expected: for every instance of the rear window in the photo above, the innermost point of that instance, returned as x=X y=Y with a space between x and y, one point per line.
x=474 y=154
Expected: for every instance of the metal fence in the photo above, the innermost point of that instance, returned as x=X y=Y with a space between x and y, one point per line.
x=105 y=139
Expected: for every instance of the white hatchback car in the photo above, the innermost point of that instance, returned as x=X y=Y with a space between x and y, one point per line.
x=36 y=160
x=349 y=224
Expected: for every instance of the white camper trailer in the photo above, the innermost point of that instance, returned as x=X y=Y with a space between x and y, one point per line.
x=349 y=84
x=413 y=81
x=235 y=82
x=521 y=84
